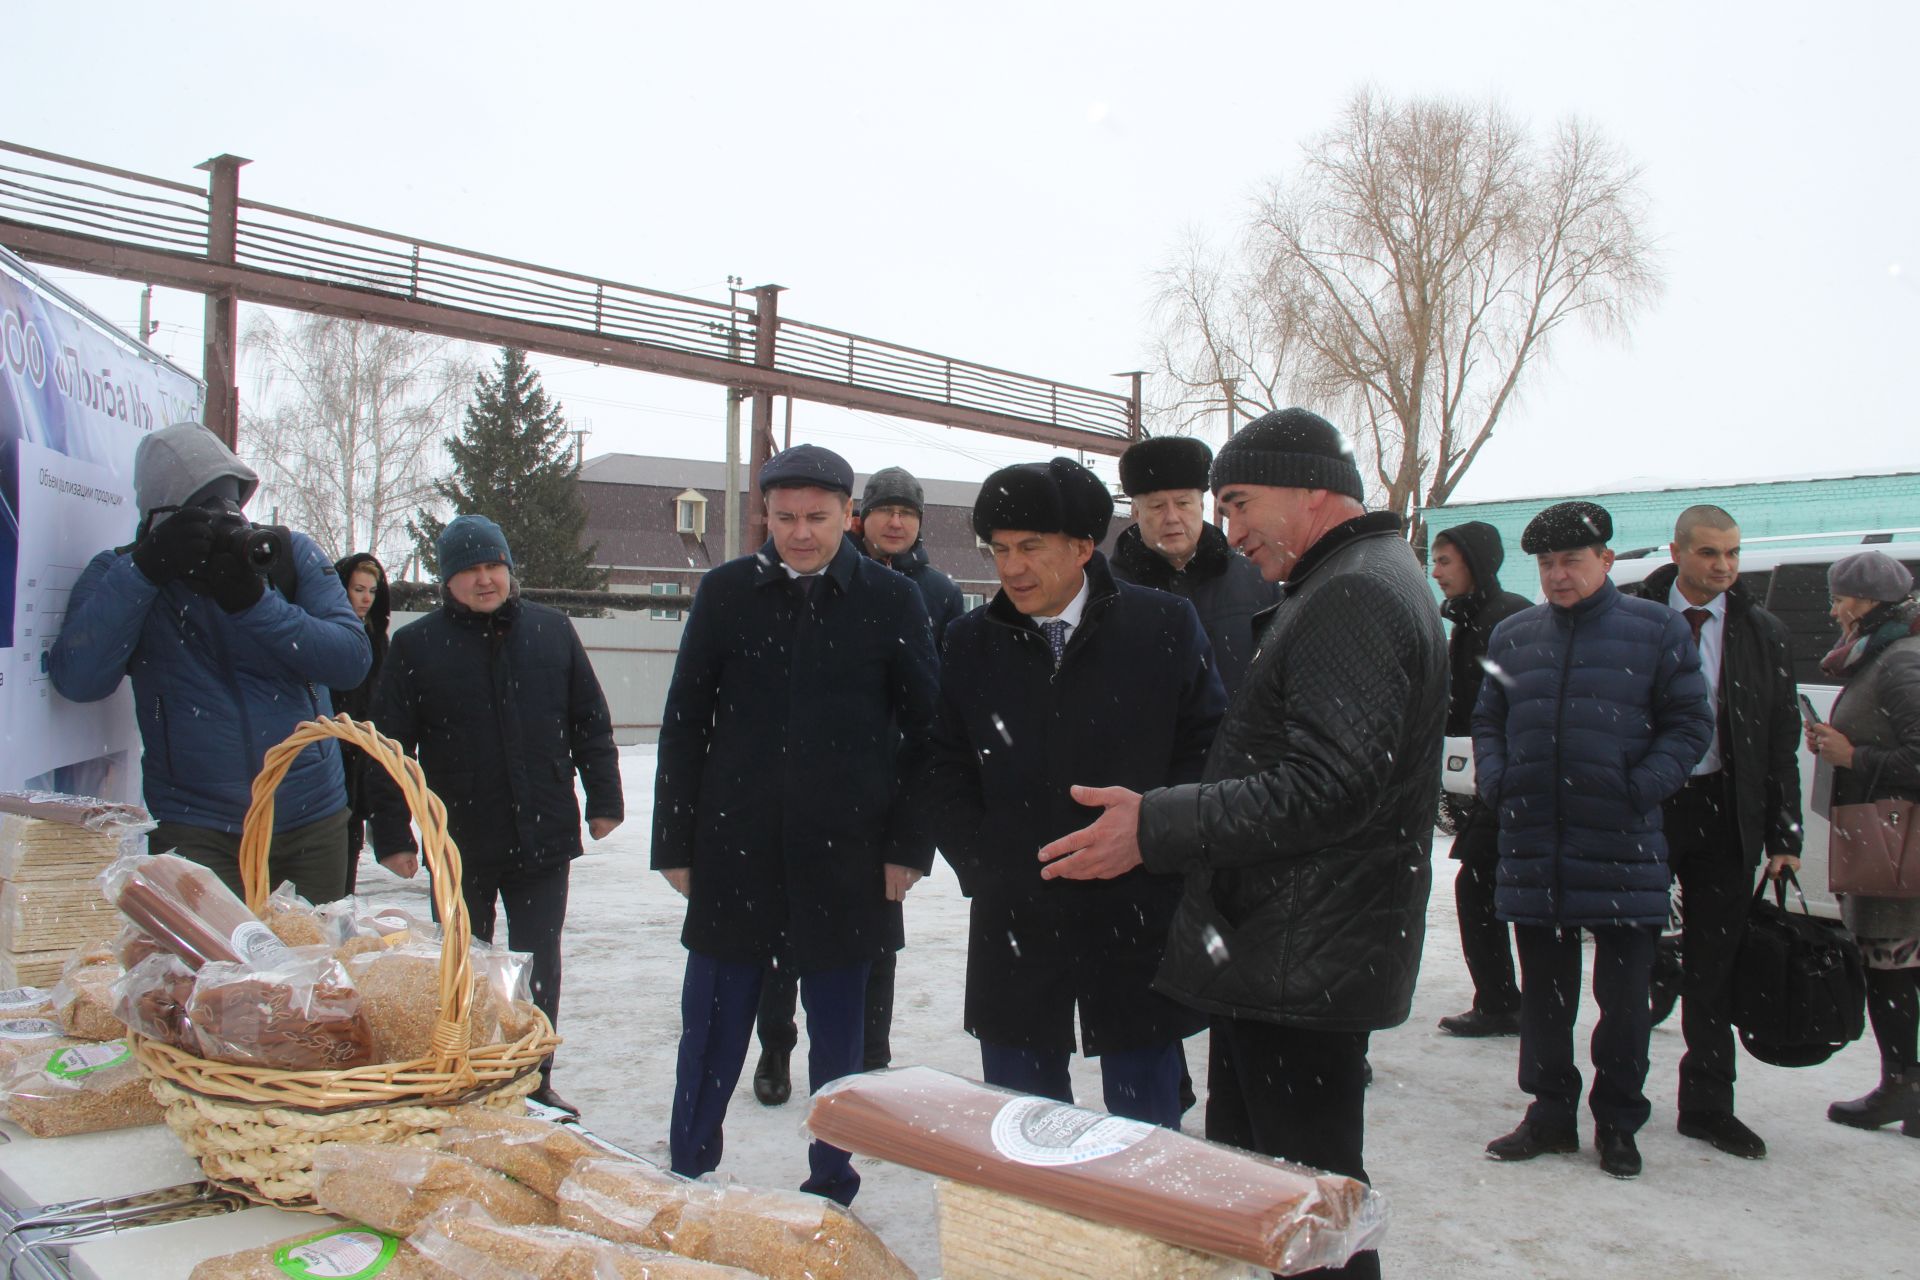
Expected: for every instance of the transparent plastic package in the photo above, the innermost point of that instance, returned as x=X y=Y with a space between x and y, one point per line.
x=298 y=1011
x=466 y=1240
x=83 y=1002
x=1154 y=1181
x=350 y=1250
x=29 y=1039
x=535 y=1153
x=396 y=1188
x=784 y=1235
x=81 y=1088
x=26 y=1002
x=294 y=920
x=400 y=992
x=152 y=997
x=134 y=944
x=187 y=909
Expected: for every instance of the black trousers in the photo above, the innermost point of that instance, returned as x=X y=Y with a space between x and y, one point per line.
x=1549 y=1002
x=1716 y=883
x=1294 y=1093
x=1485 y=941
x=780 y=990
x=536 y=903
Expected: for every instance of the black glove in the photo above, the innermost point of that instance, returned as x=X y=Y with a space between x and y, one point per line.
x=175 y=547
x=232 y=582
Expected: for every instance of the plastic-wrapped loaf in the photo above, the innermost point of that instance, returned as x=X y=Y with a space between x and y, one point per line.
x=351 y=1250
x=784 y=1235
x=188 y=910
x=400 y=991
x=534 y=1153
x=152 y=997
x=1155 y=1181
x=296 y=1011
x=82 y=1088
x=83 y=1002
x=467 y=1241
x=396 y=1188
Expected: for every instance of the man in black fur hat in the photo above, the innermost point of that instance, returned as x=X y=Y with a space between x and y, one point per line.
x=1171 y=547
x=1066 y=676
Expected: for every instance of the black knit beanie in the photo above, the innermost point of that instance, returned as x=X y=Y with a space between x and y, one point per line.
x=1289 y=449
x=1059 y=496
x=1567 y=526
x=1165 y=462
x=893 y=487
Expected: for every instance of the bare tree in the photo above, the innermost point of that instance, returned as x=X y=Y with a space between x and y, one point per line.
x=1406 y=278
x=349 y=443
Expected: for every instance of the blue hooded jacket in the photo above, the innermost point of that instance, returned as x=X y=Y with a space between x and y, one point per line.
x=1591 y=716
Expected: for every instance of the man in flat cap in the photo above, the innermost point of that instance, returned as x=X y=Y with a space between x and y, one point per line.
x=801 y=696
x=1305 y=844
x=1594 y=715
x=887 y=528
x=1065 y=676
x=1171 y=547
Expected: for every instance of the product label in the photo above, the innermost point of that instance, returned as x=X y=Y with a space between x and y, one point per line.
x=21 y=998
x=85 y=1059
x=1039 y=1131
x=349 y=1253
x=256 y=944
x=29 y=1029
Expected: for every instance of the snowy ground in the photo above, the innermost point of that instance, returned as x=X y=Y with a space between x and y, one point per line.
x=1827 y=1201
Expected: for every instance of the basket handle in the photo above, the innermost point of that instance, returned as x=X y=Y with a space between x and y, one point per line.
x=452 y=1034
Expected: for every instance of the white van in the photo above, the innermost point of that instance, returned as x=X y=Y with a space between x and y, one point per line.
x=1788 y=577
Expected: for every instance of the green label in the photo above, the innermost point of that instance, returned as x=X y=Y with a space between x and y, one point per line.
x=85 y=1059
x=345 y=1253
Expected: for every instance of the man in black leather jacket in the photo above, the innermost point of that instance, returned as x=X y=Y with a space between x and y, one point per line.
x=1306 y=845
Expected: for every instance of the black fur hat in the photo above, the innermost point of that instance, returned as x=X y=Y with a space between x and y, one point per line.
x=1059 y=496
x=1164 y=462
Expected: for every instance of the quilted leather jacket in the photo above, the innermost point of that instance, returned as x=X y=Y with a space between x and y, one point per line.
x=1306 y=846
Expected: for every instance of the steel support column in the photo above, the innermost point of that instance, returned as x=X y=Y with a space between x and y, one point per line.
x=1136 y=425
x=766 y=323
x=220 y=366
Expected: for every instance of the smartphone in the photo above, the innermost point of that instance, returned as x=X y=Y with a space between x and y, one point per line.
x=1807 y=712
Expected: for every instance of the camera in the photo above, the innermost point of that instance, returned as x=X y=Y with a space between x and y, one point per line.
x=251 y=544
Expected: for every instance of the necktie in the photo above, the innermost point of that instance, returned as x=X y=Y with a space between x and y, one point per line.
x=1697 y=618
x=1056 y=634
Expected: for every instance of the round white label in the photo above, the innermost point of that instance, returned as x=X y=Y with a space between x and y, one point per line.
x=1040 y=1131
x=256 y=944
x=21 y=998
x=29 y=1029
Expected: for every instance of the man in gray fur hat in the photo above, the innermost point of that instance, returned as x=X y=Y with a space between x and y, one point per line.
x=227 y=652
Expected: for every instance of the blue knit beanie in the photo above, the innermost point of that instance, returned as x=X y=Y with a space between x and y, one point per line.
x=468 y=541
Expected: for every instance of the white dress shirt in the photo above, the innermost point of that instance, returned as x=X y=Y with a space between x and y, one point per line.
x=1713 y=642
x=1071 y=614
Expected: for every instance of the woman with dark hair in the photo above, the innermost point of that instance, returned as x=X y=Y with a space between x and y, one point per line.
x=366 y=582
x=1873 y=742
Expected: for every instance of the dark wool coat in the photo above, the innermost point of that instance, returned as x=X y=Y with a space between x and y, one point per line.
x=788 y=725
x=1225 y=588
x=214 y=691
x=1596 y=717
x=1474 y=616
x=358 y=701
x=1758 y=717
x=1134 y=704
x=502 y=710
x=1306 y=846
x=941 y=594
x=1879 y=712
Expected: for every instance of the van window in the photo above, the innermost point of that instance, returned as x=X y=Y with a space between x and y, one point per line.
x=1797 y=596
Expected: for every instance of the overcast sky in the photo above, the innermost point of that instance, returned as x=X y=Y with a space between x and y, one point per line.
x=998 y=182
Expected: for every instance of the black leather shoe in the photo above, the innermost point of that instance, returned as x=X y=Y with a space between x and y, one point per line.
x=1529 y=1140
x=1897 y=1097
x=1724 y=1130
x=546 y=1097
x=1475 y=1024
x=1619 y=1157
x=772 y=1085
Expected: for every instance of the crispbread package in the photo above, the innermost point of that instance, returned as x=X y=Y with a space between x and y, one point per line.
x=187 y=909
x=83 y=1088
x=535 y=1153
x=151 y=999
x=297 y=1011
x=784 y=1235
x=400 y=991
x=395 y=1188
x=465 y=1239
x=350 y=1250
x=1155 y=1181
x=83 y=1002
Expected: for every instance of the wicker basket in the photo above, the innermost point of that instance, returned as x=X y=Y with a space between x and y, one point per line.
x=255 y=1129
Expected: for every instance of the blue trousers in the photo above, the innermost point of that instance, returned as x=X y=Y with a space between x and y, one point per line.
x=717 y=1003
x=1140 y=1084
x=1549 y=1001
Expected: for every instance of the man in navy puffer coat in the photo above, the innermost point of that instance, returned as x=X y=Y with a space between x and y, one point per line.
x=1595 y=714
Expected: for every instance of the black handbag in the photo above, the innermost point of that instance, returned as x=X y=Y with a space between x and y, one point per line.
x=1799 y=987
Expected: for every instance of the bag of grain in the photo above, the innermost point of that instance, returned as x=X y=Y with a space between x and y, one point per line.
x=395 y=1188
x=351 y=1251
x=294 y=920
x=400 y=991
x=80 y=1088
x=466 y=1240
x=26 y=1002
x=536 y=1153
x=83 y=1002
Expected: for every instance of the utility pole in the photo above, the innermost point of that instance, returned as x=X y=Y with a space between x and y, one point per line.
x=730 y=544
x=147 y=326
x=580 y=435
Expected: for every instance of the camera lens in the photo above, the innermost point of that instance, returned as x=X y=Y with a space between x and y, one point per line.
x=259 y=547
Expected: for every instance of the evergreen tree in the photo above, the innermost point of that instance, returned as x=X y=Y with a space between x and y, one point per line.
x=514 y=462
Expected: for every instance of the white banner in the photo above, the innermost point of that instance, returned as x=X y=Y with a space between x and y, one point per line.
x=76 y=396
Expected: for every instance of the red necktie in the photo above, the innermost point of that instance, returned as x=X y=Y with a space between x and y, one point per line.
x=1697 y=618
